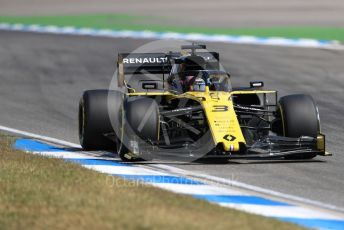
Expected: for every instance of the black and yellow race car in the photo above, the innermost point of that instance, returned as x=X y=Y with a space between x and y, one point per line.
x=182 y=105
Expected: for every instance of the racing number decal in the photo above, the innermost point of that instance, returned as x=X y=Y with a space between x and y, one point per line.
x=220 y=108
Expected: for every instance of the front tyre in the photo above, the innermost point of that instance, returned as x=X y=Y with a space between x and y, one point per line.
x=299 y=117
x=98 y=115
x=141 y=123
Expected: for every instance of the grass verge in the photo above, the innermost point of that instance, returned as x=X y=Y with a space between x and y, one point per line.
x=39 y=193
x=128 y=22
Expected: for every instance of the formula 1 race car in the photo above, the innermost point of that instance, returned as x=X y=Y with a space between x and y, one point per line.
x=182 y=104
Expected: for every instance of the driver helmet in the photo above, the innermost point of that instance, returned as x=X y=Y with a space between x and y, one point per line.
x=198 y=85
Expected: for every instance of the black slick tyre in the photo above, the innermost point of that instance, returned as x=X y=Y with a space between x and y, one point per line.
x=98 y=116
x=299 y=117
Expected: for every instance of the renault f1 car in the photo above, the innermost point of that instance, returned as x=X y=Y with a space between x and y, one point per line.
x=183 y=104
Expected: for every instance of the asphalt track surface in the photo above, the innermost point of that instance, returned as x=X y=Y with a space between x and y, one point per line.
x=43 y=76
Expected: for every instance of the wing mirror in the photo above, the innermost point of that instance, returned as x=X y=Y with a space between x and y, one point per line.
x=256 y=84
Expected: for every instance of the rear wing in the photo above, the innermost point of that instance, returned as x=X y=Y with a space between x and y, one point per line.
x=134 y=63
x=158 y=64
x=140 y=65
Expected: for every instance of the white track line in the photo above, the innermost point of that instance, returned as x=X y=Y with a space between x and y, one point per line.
x=281 y=211
x=123 y=170
x=191 y=189
x=63 y=155
x=174 y=170
x=40 y=137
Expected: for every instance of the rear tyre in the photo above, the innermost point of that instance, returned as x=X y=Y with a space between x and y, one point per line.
x=299 y=117
x=97 y=119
